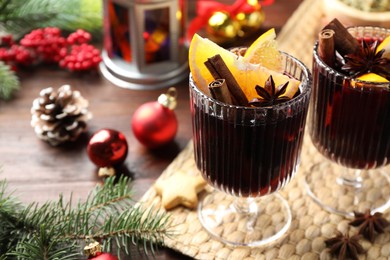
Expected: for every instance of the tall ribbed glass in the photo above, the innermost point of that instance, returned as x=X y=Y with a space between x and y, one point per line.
x=349 y=125
x=250 y=151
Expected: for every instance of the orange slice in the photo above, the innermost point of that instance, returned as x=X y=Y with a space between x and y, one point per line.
x=372 y=77
x=248 y=75
x=264 y=51
x=200 y=50
x=385 y=44
x=369 y=77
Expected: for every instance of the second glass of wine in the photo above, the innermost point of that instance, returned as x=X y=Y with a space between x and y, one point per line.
x=350 y=126
x=247 y=154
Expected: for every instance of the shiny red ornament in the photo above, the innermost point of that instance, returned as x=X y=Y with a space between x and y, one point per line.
x=154 y=123
x=104 y=256
x=107 y=148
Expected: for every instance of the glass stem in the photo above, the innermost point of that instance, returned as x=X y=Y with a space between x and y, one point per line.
x=351 y=178
x=245 y=205
x=248 y=207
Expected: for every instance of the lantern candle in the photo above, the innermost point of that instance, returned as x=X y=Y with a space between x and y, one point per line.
x=144 y=43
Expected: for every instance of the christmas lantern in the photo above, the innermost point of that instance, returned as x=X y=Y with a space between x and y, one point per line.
x=144 y=43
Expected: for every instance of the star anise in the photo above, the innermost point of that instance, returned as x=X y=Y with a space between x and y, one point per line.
x=345 y=247
x=367 y=59
x=369 y=224
x=270 y=95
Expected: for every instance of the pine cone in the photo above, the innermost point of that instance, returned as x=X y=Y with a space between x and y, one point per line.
x=59 y=116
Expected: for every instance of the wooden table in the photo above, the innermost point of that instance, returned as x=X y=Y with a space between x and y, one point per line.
x=39 y=172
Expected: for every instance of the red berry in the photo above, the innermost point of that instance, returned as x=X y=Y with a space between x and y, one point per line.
x=7 y=40
x=7 y=55
x=81 y=58
x=47 y=42
x=23 y=56
x=79 y=37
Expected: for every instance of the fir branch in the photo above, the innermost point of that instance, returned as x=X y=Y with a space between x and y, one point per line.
x=21 y=16
x=145 y=228
x=8 y=221
x=42 y=246
x=57 y=230
x=9 y=82
x=110 y=194
x=3 y=5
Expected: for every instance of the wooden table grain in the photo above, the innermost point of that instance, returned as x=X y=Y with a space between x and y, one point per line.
x=38 y=172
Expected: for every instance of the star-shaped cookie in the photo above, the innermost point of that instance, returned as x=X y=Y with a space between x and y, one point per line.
x=180 y=189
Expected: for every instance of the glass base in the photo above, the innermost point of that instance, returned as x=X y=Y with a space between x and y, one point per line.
x=245 y=221
x=363 y=190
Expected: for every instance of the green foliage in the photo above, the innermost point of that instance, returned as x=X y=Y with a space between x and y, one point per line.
x=9 y=82
x=56 y=230
x=21 y=16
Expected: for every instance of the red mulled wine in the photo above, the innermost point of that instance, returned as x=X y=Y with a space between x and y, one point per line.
x=350 y=121
x=248 y=151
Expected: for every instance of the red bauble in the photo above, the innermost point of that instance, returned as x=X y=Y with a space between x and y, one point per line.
x=104 y=256
x=107 y=148
x=154 y=124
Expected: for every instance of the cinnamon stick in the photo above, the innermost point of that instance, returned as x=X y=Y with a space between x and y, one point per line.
x=344 y=42
x=219 y=90
x=219 y=70
x=326 y=49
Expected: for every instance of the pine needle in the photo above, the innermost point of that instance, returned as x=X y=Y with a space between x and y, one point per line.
x=9 y=82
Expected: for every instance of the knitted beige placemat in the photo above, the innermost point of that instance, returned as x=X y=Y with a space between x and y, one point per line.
x=311 y=225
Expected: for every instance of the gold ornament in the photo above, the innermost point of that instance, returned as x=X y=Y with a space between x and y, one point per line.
x=220 y=25
x=106 y=172
x=92 y=249
x=250 y=21
x=168 y=99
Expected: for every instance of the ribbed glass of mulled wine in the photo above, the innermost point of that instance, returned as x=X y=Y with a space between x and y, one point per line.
x=350 y=126
x=247 y=153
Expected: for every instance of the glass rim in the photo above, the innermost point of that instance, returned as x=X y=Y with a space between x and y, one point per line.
x=360 y=27
x=307 y=81
x=326 y=66
x=339 y=74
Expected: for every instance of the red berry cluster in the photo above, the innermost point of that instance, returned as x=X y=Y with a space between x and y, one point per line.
x=47 y=42
x=16 y=55
x=81 y=57
x=47 y=45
